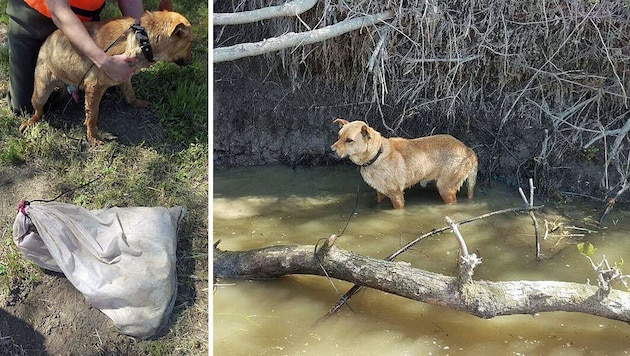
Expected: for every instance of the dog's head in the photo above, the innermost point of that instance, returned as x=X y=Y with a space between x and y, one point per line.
x=356 y=140
x=170 y=35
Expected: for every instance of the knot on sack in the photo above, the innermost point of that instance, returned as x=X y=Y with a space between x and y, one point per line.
x=22 y=207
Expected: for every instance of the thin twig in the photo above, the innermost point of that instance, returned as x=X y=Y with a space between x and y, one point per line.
x=612 y=65
x=529 y=204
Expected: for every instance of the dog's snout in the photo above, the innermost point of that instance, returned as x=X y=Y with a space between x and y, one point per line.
x=335 y=150
x=182 y=62
x=333 y=153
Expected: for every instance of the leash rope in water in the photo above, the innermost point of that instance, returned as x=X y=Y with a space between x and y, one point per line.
x=354 y=211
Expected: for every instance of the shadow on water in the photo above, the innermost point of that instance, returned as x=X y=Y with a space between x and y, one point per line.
x=18 y=338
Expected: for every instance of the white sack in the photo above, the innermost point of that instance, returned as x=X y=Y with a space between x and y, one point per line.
x=121 y=259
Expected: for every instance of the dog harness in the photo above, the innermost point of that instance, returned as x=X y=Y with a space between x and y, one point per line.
x=86 y=10
x=378 y=154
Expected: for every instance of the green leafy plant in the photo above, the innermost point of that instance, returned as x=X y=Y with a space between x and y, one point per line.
x=586 y=248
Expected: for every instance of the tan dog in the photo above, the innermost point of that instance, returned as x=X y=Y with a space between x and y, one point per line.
x=390 y=165
x=169 y=37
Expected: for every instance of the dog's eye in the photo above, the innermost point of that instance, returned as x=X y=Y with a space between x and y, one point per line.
x=349 y=140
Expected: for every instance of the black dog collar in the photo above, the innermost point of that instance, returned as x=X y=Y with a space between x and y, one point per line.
x=378 y=154
x=143 y=38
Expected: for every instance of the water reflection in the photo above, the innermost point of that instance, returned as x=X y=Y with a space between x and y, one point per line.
x=258 y=207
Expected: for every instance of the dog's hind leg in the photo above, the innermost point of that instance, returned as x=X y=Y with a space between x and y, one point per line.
x=471 y=179
x=448 y=196
x=398 y=200
x=130 y=96
x=447 y=189
x=93 y=95
x=45 y=84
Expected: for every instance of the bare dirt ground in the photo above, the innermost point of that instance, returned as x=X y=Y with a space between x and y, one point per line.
x=50 y=316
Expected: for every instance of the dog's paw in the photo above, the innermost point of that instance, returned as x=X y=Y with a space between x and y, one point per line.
x=24 y=126
x=30 y=122
x=94 y=141
x=140 y=103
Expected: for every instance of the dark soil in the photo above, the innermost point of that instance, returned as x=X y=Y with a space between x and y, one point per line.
x=117 y=120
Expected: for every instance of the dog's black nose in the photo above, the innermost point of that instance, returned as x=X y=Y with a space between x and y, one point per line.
x=333 y=154
x=181 y=62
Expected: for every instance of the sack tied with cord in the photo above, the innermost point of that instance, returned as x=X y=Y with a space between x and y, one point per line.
x=121 y=259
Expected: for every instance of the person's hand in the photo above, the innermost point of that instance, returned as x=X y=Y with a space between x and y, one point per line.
x=119 y=67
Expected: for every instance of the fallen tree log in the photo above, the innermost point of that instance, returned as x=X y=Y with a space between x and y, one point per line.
x=484 y=299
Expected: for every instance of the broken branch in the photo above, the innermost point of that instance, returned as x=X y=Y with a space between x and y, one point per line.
x=467 y=262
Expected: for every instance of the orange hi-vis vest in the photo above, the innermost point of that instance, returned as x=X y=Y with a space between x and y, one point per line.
x=86 y=10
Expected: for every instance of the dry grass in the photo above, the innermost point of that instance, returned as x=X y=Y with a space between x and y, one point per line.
x=9 y=348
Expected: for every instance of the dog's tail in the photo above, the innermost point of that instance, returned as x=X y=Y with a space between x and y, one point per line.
x=471 y=178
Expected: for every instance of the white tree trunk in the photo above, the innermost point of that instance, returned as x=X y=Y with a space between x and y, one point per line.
x=291 y=8
x=293 y=39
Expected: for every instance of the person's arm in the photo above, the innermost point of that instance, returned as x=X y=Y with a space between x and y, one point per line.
x=118 y=67
x=131 y=8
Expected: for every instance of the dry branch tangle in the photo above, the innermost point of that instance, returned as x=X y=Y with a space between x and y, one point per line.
x=484 y=299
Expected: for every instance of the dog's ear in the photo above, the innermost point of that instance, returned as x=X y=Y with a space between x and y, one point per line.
x=365 y=131
x=165 y=5
x=340 y=121
x=178 y=29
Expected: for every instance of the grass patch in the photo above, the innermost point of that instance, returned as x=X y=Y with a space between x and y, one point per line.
x=15 y=271
x=171 y=172
x=183 y=113
x=12 y=152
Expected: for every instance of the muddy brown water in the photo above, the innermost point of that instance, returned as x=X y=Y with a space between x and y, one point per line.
x=259 y=207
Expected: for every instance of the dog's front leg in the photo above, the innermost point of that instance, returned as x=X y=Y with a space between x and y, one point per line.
x=130 y=96
x=38 y=113
x=93 y=95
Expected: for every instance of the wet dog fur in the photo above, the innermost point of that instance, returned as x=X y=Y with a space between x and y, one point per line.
x=60 y=64
x=390 y=165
